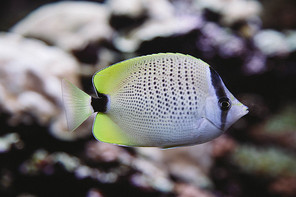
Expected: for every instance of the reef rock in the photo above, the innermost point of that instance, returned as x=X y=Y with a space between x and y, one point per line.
x=195 y=162
x=232 y=11
x=272 y=43
x=30 y=82
x=68 y=25
x=160 y=20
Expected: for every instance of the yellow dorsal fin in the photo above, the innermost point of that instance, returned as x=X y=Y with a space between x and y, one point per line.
x=106 y=81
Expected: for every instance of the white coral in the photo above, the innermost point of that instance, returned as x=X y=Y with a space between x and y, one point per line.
x=69 y=25
x=30 y=81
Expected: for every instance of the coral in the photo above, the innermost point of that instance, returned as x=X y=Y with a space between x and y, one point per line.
x=272 y=162
x=284 y=121
x=284 y=186
x=280 y=128
x=9 y=140
x=185 y=190
x=233 y=10
x=222 y=146
x=155 y=23
x=195 y=161
x=94 y=193
x=272 y=43
x=141 y=172
x=67 y=25
x=42 y=162
x=30 y=82
x=133 y=28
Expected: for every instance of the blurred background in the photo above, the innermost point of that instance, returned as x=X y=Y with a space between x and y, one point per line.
x=251 y=43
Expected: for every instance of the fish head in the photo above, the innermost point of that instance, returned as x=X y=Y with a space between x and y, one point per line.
x=224 y=111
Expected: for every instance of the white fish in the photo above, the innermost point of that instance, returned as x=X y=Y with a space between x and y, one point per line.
x=162 y=100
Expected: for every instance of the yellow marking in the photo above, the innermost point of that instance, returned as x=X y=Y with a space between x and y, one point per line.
x=105 y=130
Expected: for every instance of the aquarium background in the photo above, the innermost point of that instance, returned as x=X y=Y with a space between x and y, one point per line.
x=252 y=45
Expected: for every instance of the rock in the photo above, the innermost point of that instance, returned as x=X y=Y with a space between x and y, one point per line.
x=104 y=152
x=285 y=186
x=272 y=43
x=43 y=162
x=215 y=37
x=279 y=128
x=291 y=40
x=223 y=146
x=132 y=8
x=152 y=175
x=68 y=25
x=30 y=82
x=8 y=141
x=199 y=156
x=94 y=193
x=194 y=161
x=80 y=28
x=161 y=21
x=232 y=11
x=255 y=63
x=269 y=162
x=187 y=190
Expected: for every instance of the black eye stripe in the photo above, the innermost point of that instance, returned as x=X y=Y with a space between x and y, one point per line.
x=221 y=95
x=217 y=84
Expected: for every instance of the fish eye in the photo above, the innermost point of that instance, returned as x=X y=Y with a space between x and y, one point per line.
x=224 y=104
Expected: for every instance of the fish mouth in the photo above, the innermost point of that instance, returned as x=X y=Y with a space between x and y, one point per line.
x=227 y=125
x=246 y=112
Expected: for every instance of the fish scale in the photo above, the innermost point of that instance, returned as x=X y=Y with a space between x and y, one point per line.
x=167 y=98
x=162 y=100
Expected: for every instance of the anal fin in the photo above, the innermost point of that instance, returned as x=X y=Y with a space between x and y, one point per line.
x=106 y=130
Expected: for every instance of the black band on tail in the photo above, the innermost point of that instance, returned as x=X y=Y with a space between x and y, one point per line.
x=99 y=103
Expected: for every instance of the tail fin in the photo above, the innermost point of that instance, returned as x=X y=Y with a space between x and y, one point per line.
x=77 y=105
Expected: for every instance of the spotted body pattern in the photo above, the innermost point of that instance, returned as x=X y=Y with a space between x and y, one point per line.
x=160 y=99
x=163 y=100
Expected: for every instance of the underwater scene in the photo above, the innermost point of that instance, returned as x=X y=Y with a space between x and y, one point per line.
x=250 y=43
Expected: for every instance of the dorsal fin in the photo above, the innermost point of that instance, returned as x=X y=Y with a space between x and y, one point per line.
x=107 y=80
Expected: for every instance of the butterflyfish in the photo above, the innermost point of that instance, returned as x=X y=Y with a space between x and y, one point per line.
x=161 y=100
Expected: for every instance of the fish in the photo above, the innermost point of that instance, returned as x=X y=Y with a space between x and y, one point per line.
x=161 y=100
